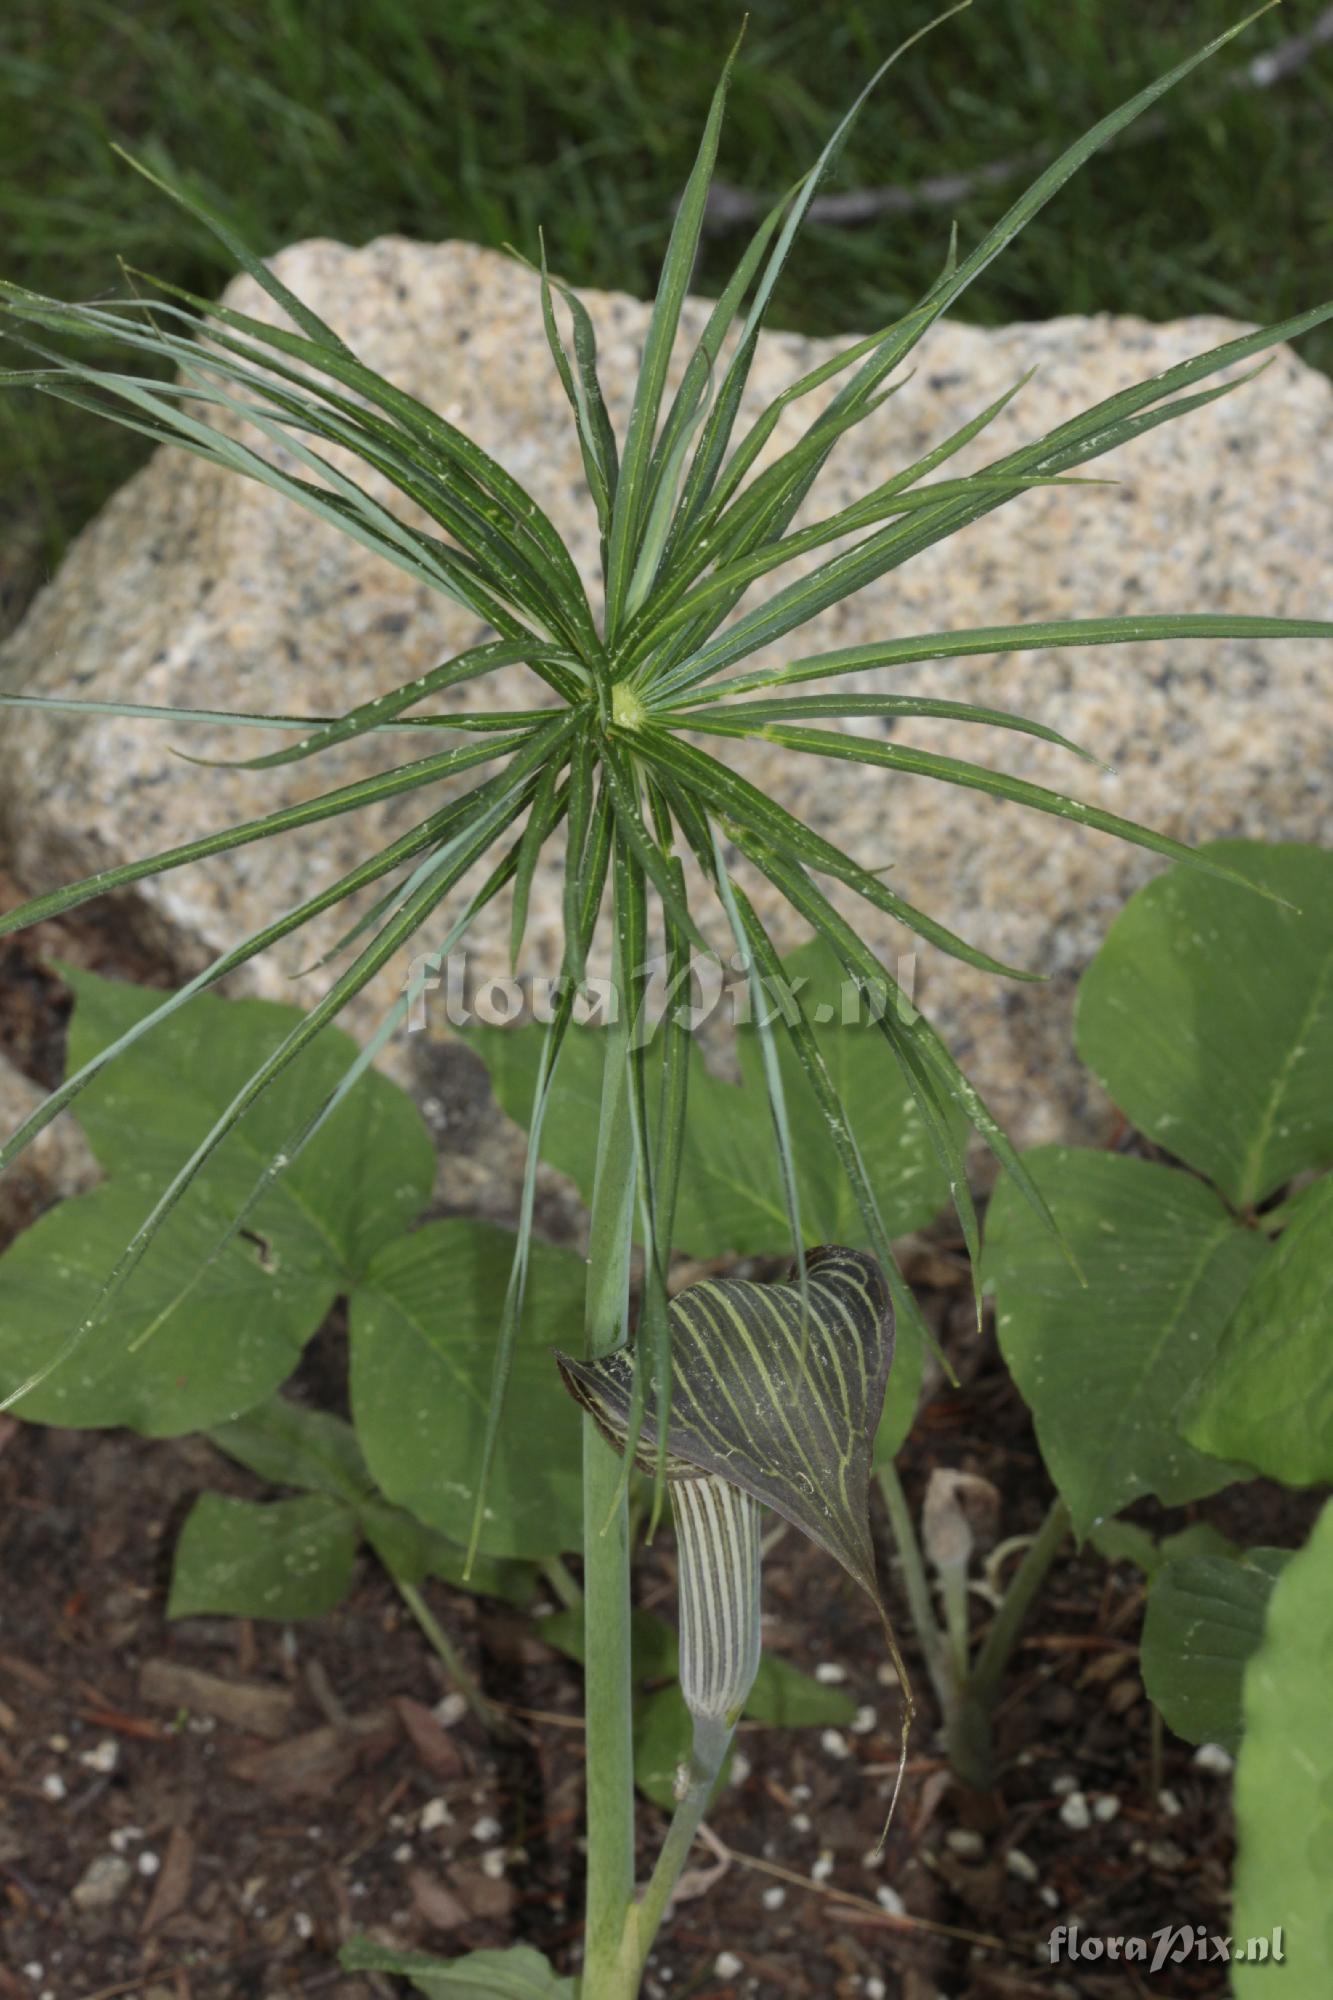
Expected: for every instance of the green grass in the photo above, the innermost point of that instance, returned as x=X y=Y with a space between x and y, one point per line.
x=439 y=118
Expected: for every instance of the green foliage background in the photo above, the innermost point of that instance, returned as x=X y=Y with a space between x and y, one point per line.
x=328 y=117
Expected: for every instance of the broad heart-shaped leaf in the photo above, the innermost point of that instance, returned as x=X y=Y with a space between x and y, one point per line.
x=782 y=1405
x=1284 y=1781
x=360 y=1182
x=730 y=1199
x=279 y=1559
x=663 y=1734
x=1267 y=1399
x=423 y=1327
x=1104 y=1368
x=1208 y=1015
x=1204 y=1618
x=292 y=1445
x=187 y=1344
x=519 y=1973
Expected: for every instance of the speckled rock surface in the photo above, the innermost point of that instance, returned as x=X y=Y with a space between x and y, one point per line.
x=197 y=588
x=58 y=1162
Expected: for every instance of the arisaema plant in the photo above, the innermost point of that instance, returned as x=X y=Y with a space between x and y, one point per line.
x=636 y=691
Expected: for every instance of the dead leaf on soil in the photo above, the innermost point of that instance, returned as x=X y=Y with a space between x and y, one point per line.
x=316 y=1763
x=172 y=1887
x=255 y=1706
x=430 y=1739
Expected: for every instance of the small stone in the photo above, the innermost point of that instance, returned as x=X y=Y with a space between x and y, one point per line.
x=53 y=1786
x=1105 y=1808
x=149 y=1863
x=493 y=1863
x=1049 y=1896
x=830 y=1673
x=1166 y=1855
x=726 y=1965
x=33 y=1969
x=873 y=1857
x=774 y=1898
x=1063 y=1785
x=962 y=1841
x=873 y=1987
x=864 y=1720
x=1170 y=1804
x=800 y=1822
x=822 y=1867
x=834 y=1744
x=889 y=1899
x=1074 y=1813
x=103 y=1882
x=1020 y=1864
x=449 y=1710
x=799 y=1794
x=486 y=1828
x=303 y=1924
x=1211 y=1757
x=58 y=1743
x=403 y=1852
x=103 y=1756
x=741 y=1767
x=434 y=1814
x=885 y=1675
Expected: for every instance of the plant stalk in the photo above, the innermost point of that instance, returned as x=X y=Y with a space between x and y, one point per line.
x=606 y=1601
x=645 y=1918
x=447 y=1654
x=930 y=1638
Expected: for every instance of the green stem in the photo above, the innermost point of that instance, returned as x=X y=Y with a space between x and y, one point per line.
x=924 y=1622
x=606 y=1621
x=445 y=1651
x=993 y=1656
x=644 y=1920
x=968 y=1720
x=561 y=1582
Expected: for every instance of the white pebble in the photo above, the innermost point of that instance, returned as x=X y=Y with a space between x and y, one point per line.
x=830 y=1673
x=33 y=1969
x=741 y=1768
x=103 y=1756
x=1063 y=1785
x=873 y=1857
x=53 y=1786
x=493 y=1863
x=799 y=1794
x=434 y=1814
x=961 y=1840
x=1105 y=1808
x=1049 y=1897
x=800 y=1822
x=885 y=1675
x=834 y=1744
x=889 y=1899
x=823 y=1865
x=864 y=1720
x=726 y=1965
x=774 y=1898
x=451 y=1709
x=486 y=1828
x=403 y=1852
x=1211 y=1757
x=1074 y=1813
x=303 y=1924
x=1170 y=1804
x=873 y=1987
x=57 y=1742
x=1020 y=1864
x=149 y=1862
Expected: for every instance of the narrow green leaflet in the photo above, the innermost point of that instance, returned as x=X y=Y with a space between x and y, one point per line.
x=1284 y=1783
x=1205 y=1617
x=423 y=1327
x=285 y=1559
x=1104 y=1367
x=1208 y=1016
x=1267 y=1398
